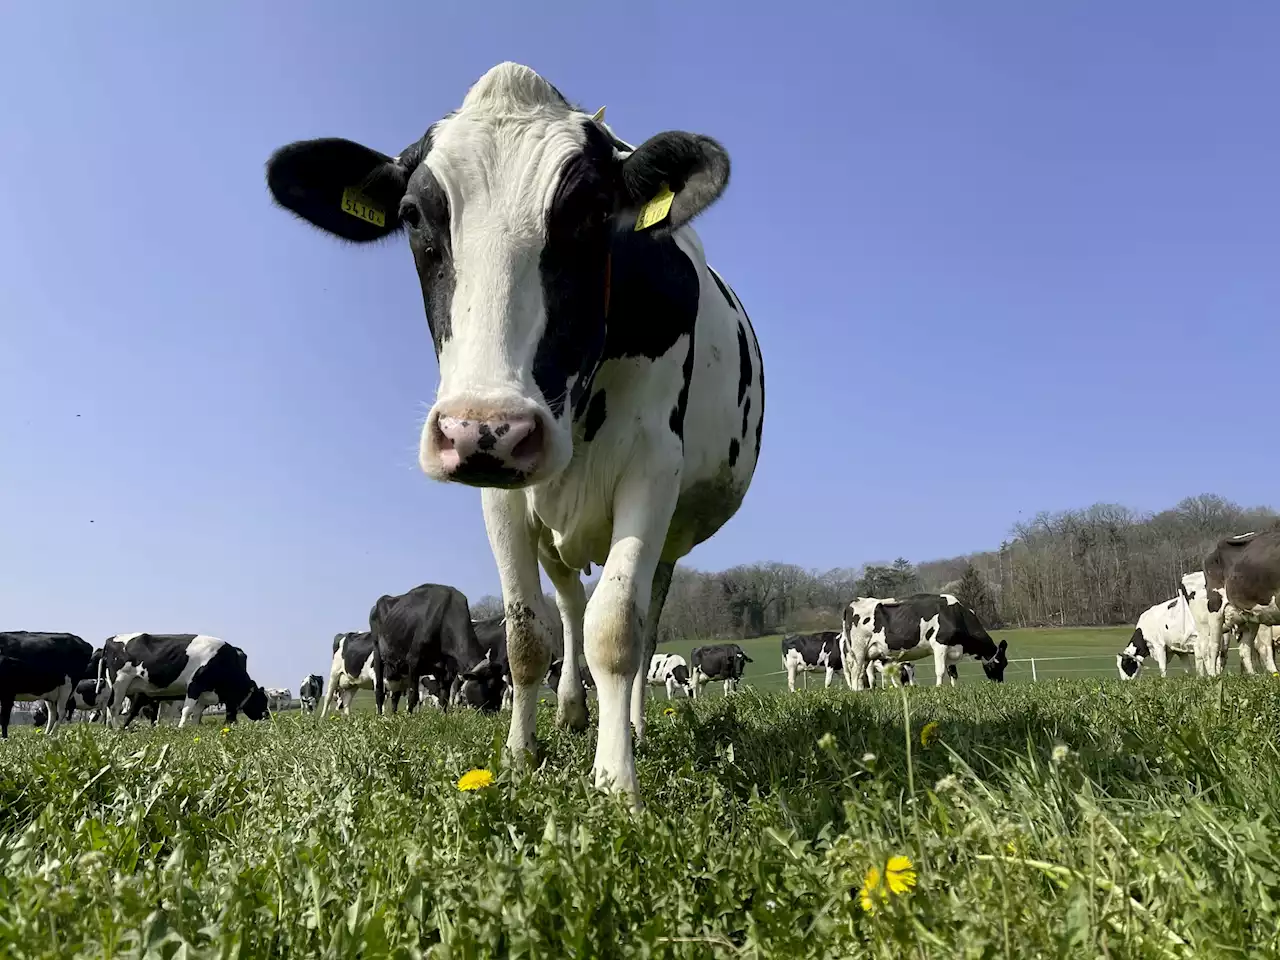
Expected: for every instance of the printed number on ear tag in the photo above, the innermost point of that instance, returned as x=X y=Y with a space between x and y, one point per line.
x=358 y=205
x=656 y=209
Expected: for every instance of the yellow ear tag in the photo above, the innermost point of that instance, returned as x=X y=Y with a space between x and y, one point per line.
x=599 y=115
x=362 y=208
x=656 y=209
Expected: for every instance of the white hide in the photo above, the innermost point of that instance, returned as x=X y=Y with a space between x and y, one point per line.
x=794 y=663
x=662 y=668
x=1168 y=628
x=342 y=685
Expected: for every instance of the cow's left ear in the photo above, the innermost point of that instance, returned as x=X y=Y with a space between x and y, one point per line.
x=340 y=186
x=672 y=177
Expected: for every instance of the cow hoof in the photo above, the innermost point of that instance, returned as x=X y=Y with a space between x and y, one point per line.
x=572 y=715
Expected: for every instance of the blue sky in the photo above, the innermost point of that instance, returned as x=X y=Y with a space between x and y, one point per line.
x=1001 y=257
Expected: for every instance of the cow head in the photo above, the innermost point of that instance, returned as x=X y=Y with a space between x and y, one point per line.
x=483 y=686
x=255 y=705
x=680 y=673
x=994 y=668
x=511 y=205
x=432 y=691
x=1129 y=660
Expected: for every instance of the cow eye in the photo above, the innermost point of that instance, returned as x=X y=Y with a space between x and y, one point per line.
x=411 y=215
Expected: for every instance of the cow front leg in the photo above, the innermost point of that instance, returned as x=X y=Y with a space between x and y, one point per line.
x=615 y=620
x=940 y=664
x=649 y=638
x=529 y=636
x=571 y=599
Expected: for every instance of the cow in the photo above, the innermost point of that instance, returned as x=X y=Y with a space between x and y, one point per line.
x=350 y=669
x=278 y=697
x=1164 y=628
x=40 y=714
x=598 y=380
x=44 y=666
x=493 y=671
x=915 y=627
x=1242 y=585
x=718 y=661
x=198 y=669
x=429 y=630
x=896 y=674
x=806 y=652
x=557 y=667
x=310 y=691
x=669 y=670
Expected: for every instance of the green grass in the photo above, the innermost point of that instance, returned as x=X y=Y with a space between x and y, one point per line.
x=1064 y=819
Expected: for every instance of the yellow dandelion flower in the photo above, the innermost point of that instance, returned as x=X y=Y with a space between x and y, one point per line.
x=669 y=712
x=195 y=740
x=929 y=733
x=225 y=731
x=1011 y=848
x=870 y=889
x=475 y=780
x=898 y=875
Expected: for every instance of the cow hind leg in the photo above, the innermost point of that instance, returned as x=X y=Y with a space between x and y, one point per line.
x=571 y=600
x=940 y=664
x=6 y=713
x=657 y=599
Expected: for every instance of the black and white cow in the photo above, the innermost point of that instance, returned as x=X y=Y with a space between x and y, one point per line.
x=557 y=667
x=807 y=652
x=718 y=661
x=40 y=666
x=278 y=698
x=669 y=670
x=310 y=691
x=1242 y=580
x=922 y=625
x=350 y=669
x=896 y=674
x=1165 y=629
x=429 y=630
x=597 y=378
x=198 y=669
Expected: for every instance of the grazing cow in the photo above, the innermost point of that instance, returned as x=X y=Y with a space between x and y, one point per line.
x=429 y=630
x=557 y=667
x=896 y=674
x=1242 y=585
x=918 y=626
x=1163 y=629
x=40 y=666
x=278 y=697
x=669 y=670
x=40 y=714
x=806 y=652
x=310 y=690
x=198 y=669
x=494 y=671
x=351 y=669
x=718 y=661
x=598 y=380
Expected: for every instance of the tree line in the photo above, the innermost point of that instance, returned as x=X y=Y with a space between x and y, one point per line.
x=1096 y=566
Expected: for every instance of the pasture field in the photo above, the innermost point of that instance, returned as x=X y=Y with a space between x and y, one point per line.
x=1066 y=819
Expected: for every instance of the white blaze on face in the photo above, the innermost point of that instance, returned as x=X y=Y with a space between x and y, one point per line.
x=499 y=161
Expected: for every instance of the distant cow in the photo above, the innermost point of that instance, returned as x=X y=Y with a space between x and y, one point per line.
x=557 y=665
x=428 y=630
x=895 y=674
x=310 y=690
x=669 y=670
x=492 y=672
x=278 y=697
x=1242 y=580
x=718 y=661
x=1163 y=629
x=196 y=668
x=922 y=625
x=40 y=666
x=806 y=652
x=351 y=669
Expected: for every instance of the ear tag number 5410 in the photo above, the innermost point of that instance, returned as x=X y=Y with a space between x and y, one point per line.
x=358 y=205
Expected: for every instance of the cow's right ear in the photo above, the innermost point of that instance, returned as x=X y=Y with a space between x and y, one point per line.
x=339 y=186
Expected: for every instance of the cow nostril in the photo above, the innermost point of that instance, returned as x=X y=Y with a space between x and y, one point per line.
x=529 y=446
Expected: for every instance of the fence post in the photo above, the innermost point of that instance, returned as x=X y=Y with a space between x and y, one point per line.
x=1033 y=669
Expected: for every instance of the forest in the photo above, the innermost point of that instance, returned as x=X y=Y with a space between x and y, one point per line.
x=1095 y=566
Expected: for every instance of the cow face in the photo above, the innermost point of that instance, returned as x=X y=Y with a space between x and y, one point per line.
x=995 y=667
x=255 y=705
x=482 y=686
x=1129 y=660
x=510 y=205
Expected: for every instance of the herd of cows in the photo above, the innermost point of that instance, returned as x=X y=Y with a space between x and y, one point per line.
x=424 y=646
x=603 y=386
